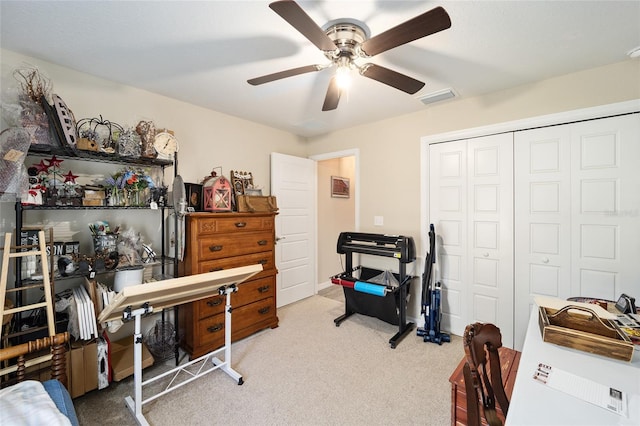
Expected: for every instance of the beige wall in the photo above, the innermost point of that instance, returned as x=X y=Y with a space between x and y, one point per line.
x=207 y=138
x=335 y=215
x=390 y=149
x=389 y=171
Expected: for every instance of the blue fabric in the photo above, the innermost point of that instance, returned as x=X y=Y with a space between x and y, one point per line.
x=62 y=399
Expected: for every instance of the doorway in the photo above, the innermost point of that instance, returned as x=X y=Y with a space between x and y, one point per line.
x=337 y=211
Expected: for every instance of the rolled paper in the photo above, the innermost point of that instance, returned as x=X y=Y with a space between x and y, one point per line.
x=344 y=283
x=375 y=289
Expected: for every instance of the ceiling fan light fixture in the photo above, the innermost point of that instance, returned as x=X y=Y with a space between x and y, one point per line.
x=343 y=73
x=437 y=96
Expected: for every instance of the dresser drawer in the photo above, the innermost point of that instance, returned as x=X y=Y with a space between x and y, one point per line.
x=211 y=330
x=215 y=225
x=254 y=290
x=227 y=245
x=248 y=292
x=265 y=259
x=210 y=306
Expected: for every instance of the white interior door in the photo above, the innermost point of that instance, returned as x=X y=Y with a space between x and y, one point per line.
x=448 y=213
x=490 y=232
x=293 y=182
x=577 y=204
x=471 y=207
x=605 y=194
x=543 y=219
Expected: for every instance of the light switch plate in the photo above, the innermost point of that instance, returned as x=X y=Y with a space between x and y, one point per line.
x=378 y=221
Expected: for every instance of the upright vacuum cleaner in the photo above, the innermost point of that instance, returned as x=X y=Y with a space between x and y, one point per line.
x=431 y=297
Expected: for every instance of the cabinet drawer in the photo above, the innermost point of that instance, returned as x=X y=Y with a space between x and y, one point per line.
x=227 y=245
x=211 y=330
x=248 y=292
x=216 y=225
x=265 y=259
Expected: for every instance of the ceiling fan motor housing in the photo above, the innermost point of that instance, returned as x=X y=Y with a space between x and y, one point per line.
x=347 y=37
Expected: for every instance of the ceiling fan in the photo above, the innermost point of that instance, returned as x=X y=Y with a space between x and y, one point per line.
x=345 y=40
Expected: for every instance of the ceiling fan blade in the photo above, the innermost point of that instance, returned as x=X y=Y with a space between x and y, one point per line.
x=391 y=78
x=284 y=74
x=298 y=18
x=333 y=96
x=421 y=26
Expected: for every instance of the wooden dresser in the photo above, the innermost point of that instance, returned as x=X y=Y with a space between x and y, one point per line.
x=509 y=361
x=216 y=241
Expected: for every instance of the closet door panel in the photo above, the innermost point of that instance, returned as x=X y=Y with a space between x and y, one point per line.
x=447 y=189
x=490 y=225
x=542 y=182
x=605 y=214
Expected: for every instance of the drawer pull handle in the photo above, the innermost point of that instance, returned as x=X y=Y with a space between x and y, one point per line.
x=215 y=269
x=214 y=302
x=262 y=242
x=215 y=248
x=263 y=289
x=241 y=224
x=215 y=328
x=264 y=310
x=262 y=261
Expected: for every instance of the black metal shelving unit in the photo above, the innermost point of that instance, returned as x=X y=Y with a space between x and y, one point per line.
x=36 y=151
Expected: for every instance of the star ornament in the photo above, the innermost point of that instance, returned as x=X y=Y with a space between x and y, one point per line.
x=41 y=167
x=54 y=162
x=70 y=177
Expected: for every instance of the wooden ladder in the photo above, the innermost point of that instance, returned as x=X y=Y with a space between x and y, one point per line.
x=11 y=252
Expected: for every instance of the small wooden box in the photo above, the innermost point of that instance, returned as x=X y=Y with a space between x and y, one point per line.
x=580 y=328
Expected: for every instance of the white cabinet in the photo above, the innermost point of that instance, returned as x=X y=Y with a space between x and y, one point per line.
x=577 y=204
x=471 y=199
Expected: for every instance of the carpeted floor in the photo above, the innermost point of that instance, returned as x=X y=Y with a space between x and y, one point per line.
x=305 y=372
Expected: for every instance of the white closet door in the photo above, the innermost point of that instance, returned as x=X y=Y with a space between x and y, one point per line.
x=471 y=207
x=448 y=213
x=605 y=217
x=542 y=219
x=577 y=209
x=490 y=232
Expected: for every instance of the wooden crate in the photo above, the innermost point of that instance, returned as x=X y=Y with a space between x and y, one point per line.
x=580 y=328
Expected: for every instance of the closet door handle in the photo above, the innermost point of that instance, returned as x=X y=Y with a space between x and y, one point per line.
x=485 y=254
x=215 y=248
x=215 y=327
x=264 y=310
x=214 y=302
x=262 y=242
x=545 y=260
x=241 y=224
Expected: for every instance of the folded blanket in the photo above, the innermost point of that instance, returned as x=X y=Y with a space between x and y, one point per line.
x=28 y=403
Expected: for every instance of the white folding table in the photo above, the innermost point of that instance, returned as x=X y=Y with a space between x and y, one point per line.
x=133 y=302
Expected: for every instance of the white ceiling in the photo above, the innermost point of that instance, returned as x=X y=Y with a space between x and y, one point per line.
x=203 y=52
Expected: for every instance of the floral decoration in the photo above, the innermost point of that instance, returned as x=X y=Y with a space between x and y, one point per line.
x=131 y=179
x=128 y=187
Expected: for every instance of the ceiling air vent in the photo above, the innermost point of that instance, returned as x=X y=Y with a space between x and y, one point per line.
x=438 y=96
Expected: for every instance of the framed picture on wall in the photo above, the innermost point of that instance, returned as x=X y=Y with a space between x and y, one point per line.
x=339 y=187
